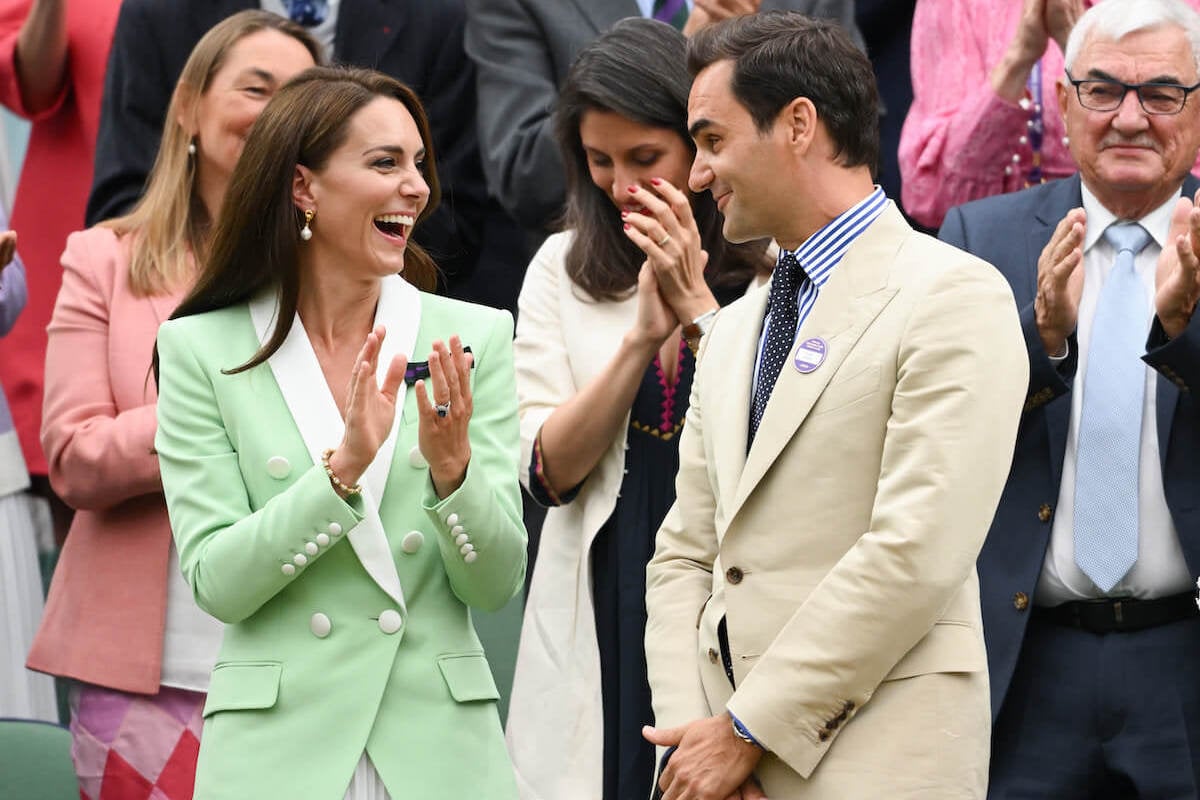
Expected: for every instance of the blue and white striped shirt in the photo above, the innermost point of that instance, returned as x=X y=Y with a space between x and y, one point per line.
x=821 y=253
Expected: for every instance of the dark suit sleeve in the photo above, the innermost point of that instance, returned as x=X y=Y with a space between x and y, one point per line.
x=1178 y=359
x=1047 y=379
x=517 y=92
x=137 y=91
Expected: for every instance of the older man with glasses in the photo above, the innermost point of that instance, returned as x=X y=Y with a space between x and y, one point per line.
x=1089 y=571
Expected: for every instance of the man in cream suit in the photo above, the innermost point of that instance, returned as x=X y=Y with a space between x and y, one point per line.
x=814 y=626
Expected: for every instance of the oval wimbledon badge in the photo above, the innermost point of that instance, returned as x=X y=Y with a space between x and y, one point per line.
x=810 y=355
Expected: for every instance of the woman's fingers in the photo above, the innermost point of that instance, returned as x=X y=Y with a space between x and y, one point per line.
x=394 y=378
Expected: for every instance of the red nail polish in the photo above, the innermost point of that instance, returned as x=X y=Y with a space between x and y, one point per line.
x=624 y=214
x=656 y=181
x=626 y=226
x=633 y=189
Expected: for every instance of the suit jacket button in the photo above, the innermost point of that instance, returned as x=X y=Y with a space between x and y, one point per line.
x=848 y=706
x=1044 y=512
x=390 y=621
x=733 y=575
x=412 y=541
x=320 y=625
x=712 y=655
x=823 y=736
x=1020 y=601
x=278 y=467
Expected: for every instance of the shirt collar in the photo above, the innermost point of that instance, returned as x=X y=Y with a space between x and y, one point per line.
x=825 y=249
x=1157 y=223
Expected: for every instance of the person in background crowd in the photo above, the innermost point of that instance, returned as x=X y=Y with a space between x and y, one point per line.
x=812 y=597
x=604 y=374
x=1088 y=576
x=478 y=249
x=52 y=58
x=341 y=570
x=120 y=621
x=985 y=118
x=522 y=51
x=23 y=693
x=886 y=27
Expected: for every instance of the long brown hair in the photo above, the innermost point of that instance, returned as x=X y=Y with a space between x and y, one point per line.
x=170 y=224
x=256 y=242
x=637 y=70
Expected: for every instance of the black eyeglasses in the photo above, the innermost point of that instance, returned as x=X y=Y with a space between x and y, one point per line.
x=1102 y=94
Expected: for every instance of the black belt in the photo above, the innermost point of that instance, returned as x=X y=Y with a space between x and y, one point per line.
x=1120 y=615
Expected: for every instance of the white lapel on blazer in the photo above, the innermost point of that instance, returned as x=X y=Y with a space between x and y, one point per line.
x=302 y=384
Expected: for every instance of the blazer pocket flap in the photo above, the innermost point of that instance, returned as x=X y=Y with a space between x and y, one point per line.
x=468 y=677
x=243 y=685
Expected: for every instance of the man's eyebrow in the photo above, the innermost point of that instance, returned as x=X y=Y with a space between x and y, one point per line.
x=1104 y=76
x=698 y=127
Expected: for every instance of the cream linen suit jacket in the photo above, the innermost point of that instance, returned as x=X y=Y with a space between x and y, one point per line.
x=841 y=549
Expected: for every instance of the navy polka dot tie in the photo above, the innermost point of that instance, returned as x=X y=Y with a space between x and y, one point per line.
x=307 y=12
x=781 y=332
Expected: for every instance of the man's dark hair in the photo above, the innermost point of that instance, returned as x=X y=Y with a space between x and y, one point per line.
x=781 y=55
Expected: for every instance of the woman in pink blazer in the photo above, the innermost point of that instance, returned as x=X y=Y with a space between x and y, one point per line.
x=120 y=620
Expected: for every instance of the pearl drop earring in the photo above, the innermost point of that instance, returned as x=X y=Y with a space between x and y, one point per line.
x=192 y=147
x=306 y=231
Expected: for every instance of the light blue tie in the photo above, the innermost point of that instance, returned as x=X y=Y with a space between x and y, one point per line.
x=1110 y=427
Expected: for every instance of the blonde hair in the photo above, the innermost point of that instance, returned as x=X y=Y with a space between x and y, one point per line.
x=170 y=224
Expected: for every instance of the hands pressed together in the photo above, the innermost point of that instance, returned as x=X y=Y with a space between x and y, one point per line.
x=371 y=410
x=1060 y=276
x=671 y=286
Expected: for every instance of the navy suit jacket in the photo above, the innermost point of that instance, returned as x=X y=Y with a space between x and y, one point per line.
x=1010 y=231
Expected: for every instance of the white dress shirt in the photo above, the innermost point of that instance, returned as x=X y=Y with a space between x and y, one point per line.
x=1160 y=569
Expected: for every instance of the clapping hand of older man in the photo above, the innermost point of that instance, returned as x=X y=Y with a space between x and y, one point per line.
x=1060 y=282
x=710 y=761
x=1178 y=273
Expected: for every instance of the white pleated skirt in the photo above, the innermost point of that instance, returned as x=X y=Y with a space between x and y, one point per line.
x=23 y=693
x=366 y=783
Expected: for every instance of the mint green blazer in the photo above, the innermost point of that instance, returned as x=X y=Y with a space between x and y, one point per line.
x=347 y=622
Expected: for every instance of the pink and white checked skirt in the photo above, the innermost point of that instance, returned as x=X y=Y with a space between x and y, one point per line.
x=133 y=746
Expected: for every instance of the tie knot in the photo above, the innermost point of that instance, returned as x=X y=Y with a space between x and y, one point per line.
x=788 y=274
x=1127 y=236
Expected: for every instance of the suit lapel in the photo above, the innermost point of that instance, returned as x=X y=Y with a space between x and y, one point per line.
x=728 y=414
x=302 y=384
x=855 y=294
x=1059 y=199
x=1167 y=395
x=602 y=14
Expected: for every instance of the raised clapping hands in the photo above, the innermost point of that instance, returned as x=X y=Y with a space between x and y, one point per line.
x=371 y=410
x=1040 y=21
x=1177 y=278
x=443 y=439
x=668 y=235
x=1060 y=282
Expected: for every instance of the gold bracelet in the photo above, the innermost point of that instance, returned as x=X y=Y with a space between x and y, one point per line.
x=341 y=488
